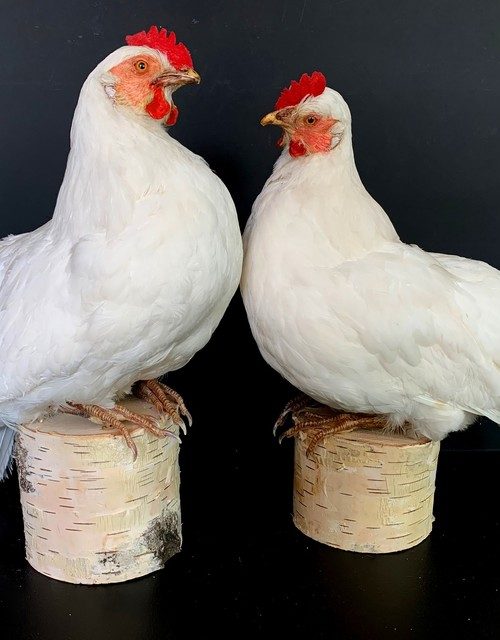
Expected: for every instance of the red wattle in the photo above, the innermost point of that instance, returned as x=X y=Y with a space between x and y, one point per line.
x=296 y=149
x=158 y=108
x=174 y=114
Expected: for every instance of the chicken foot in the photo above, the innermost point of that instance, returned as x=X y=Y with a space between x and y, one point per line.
x=164 y=399
x=322 y=422
x=114 y=418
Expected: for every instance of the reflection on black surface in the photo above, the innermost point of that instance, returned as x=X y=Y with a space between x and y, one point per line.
x=76 y=610
x=376 y=593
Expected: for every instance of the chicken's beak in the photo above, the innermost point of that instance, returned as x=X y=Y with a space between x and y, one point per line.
x=178 y=78
x=271 y=118
x=189 y=77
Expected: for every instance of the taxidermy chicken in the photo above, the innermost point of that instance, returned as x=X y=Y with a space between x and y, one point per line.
x=381 y=332
x=135 y=270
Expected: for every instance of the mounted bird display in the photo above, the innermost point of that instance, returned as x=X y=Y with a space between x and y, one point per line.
x=137 y=266
x=381 y=333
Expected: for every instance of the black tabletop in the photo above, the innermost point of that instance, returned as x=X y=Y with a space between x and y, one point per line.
x=244 y=569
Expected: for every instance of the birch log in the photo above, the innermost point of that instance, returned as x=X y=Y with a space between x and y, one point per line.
x=365 y=490
x=91 y=514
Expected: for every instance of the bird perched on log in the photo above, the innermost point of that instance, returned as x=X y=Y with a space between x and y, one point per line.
x=137 y=266
x=381 y=332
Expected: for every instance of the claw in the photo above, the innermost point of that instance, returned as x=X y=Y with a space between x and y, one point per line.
x=181 y=406
x=185 y=413
x=292 y=406
x=182 y=426
x=166 y=400
x=173 y=435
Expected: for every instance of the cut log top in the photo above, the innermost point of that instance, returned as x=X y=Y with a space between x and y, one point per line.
x=380 y=437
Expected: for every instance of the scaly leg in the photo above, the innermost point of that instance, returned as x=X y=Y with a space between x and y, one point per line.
x=165 y=399
x=114 y=418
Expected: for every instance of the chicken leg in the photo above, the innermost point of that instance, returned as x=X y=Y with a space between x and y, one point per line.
x=165 y=400
x=321 y=421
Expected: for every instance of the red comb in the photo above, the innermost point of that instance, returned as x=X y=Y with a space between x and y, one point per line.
x=177 y=53
x=312 y=85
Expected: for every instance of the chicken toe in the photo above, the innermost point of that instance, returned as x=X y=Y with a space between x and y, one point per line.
x=322 y=422
x=165 y=399
x=114 y=419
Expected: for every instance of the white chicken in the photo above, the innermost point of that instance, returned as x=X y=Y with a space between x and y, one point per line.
x=345 y=311
x=136 y=268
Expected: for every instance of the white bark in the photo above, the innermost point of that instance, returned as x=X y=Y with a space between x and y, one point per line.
x=91 y=514
x=365 y=490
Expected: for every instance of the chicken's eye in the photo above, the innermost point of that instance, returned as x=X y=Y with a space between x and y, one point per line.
x=311 y=119
x=141 y=66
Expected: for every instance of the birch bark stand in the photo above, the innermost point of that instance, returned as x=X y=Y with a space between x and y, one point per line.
x=91 y=514
x=365 y=490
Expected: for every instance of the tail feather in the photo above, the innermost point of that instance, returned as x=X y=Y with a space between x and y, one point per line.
x=6 y=445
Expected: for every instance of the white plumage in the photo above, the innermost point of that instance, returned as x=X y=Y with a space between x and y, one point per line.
x=130 y=277
x=352 y=316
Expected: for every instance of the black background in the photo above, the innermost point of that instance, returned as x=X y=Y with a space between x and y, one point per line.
x=422 y=80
